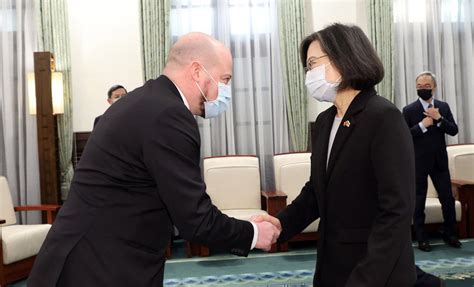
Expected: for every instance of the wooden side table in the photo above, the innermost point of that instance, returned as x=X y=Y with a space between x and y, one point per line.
x=464 y=192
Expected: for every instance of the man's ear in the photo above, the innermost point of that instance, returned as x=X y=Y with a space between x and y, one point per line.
x=196 y=71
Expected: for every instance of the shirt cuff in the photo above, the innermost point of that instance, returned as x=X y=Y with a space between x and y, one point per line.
x=255 y=235
x=422 y=127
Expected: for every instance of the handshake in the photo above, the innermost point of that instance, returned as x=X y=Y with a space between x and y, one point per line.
x=269 y=229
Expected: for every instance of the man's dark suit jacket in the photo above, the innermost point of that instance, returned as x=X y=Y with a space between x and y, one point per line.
x=96 y=120
x=365 y=197
x=430 y=147
x=138 y=176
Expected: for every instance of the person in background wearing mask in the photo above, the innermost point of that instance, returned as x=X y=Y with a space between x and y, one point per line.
x=429 y=120
x=113 y=94
x=140 y=174
x=362 y=182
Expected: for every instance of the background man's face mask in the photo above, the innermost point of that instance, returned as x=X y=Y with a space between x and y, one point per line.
x=216 y=107
x=318 y=87
x=424 y=94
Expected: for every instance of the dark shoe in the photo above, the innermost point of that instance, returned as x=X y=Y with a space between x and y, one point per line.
x=453 y=241
x=424 y=246
x=424 y=279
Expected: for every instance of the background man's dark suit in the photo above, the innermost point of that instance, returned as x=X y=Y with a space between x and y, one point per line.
x=365 y=198
x=431 y=158
x=96 y=120
x=139 y=174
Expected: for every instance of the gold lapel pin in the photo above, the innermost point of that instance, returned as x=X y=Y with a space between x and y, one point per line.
x=346 y=124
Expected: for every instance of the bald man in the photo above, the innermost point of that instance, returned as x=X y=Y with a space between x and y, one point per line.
x=139 y=175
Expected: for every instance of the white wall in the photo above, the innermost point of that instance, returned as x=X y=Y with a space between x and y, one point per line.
x=320 y=13
x=105 y=50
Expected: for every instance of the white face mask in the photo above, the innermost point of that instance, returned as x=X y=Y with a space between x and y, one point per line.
x=218 y=106
x=318 y=87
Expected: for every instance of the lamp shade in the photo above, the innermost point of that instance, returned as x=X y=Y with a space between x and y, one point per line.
x=58 y=92
x=56 y=88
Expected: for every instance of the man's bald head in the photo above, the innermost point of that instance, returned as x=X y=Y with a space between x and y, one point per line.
x=196 y=46
x=196 y=64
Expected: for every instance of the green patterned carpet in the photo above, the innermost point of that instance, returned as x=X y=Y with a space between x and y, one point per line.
x=296 y=267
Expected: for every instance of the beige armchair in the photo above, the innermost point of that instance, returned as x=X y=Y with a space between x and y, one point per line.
x=461 y=169
x=461 y=161
x=233 y=184
x=433 y=211
x=292 y=171
x=19 y=243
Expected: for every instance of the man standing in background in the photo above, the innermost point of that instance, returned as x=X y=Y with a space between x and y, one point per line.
x=429 y=120
x=113 y=94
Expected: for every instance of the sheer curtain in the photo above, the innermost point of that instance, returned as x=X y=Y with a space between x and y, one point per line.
x=381 y=34
x=256 y=122
x=18 y=139
x=437 y=35
x=154 y=36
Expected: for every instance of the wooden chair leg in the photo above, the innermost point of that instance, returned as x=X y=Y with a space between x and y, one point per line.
x=274 y=248
x=462 y=227
x=189 y=251
x=168 y=250
x=204 y=251
x=192 y=249
x=283 y=247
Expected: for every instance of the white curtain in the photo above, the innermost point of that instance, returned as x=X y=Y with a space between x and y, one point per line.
x=256 y=123
x=18 y=140
x=437 y=35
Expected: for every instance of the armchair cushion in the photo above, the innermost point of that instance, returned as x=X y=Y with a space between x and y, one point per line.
x=461 y=161
x=292 y=171
x=434 y=213
x=233 y=182
x=243 y=214
x=7 y=211
x=22 y=241
x=313 y=227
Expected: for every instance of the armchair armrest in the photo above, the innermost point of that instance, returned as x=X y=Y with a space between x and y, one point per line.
x=462 y=189
x=51 y=210
x=273 y=201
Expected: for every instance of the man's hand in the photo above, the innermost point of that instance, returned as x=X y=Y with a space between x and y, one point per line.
x=269 y=229
x=266 y=217
x=428 y=121
x=433 y=113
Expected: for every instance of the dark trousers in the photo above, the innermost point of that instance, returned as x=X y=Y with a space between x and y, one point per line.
x=442 y=183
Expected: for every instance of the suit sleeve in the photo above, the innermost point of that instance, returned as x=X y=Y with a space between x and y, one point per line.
x=299 y=214
x=392 y=157
x=448 y=125
x=171 y=152
x=415 y=129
